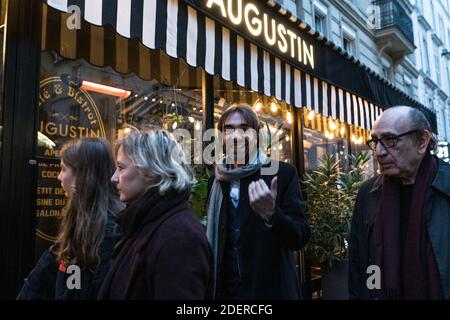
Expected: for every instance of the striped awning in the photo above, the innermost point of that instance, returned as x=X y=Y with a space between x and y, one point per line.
x=124 y=34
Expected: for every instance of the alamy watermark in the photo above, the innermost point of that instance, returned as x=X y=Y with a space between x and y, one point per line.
x=73 y=22
x=234 y=146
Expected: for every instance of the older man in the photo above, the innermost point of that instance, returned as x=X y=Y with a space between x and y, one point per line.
x=400 y=235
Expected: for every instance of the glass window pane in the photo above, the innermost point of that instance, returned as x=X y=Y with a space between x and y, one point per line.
x=79 y=100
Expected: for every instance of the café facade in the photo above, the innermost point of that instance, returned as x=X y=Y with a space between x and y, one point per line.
x=75 y=68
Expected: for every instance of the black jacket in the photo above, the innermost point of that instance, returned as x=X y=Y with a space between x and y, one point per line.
x=46 y=282
x=268 y=269
x=163 y=255
x=361 y=245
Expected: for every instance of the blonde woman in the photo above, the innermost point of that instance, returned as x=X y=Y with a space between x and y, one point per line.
x=87 y=231
x=164 y=253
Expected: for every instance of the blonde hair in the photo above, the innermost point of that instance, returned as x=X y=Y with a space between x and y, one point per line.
x=159 y=157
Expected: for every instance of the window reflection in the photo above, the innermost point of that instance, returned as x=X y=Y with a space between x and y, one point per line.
x=77 y=99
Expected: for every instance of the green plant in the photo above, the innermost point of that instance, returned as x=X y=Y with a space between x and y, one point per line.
x=331 y=192
x=199 y=193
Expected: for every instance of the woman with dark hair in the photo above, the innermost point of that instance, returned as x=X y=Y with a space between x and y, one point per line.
x=87 y=231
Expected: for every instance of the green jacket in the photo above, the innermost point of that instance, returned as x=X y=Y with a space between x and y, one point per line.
x=366 y=208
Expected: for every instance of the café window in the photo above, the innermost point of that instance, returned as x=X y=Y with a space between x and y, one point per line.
x=274 y=115
x=323 y=136
x=102 y=91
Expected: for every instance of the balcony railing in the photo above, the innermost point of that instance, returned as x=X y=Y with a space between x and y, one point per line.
x=392 y=14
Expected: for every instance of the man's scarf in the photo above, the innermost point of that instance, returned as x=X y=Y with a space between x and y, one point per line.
x=415 y=274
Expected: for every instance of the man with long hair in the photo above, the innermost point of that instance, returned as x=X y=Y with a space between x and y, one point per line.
x=255 y=216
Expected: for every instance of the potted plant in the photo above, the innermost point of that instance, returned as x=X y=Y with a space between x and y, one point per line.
x=331 y=192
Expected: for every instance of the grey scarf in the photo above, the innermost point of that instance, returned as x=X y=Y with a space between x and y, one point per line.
x=222 y=173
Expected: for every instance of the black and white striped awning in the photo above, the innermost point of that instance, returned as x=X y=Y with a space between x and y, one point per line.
x=107 y=33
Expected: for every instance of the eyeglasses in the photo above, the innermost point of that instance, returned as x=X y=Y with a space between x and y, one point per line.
x=388 y=141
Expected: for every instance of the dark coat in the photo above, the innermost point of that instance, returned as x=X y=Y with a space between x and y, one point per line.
x=167 y=257
x=361 y=247
x=47 y=282
x=268 y=269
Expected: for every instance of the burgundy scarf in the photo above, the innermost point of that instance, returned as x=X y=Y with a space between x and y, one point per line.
x=414 y=276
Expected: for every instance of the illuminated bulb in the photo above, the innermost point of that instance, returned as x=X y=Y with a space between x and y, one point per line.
x=287 y=138
x=173 y=104
x=174 y=125
x=342 y=130
x=145 y=98
x=280 y=147
x=331 y=137
x=327 y=134
x=194 y=108
x=332 y=125
x=160 y=101
x=197 y=125
x=353 y=138
x=135 y=95
x=127 y=130
x=273 y=107
x=153 y=100
x=289 y=118
x=258 y=106
x=191 y=119
x=311 y=115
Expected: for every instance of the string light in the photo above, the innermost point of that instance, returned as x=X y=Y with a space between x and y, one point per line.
x=191 y=119
x=273 y=107
x=287 y=138
x=342 y=130
x=258 y=106
x=289 y=118
x=332 y=125
x=311 y=115
x=174 y=125
x=197 y=125
x=145 y=98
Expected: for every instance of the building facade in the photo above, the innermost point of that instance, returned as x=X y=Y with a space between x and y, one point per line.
x=405 y=41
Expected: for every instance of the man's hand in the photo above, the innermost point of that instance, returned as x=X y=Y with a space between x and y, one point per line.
x=262 y=199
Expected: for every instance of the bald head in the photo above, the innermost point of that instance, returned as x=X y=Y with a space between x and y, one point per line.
x=403 y=118
x=396 y=118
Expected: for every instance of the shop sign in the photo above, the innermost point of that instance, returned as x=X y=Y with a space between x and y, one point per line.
x=259 y=24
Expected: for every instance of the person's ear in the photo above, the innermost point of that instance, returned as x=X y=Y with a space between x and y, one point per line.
x=424 y=140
